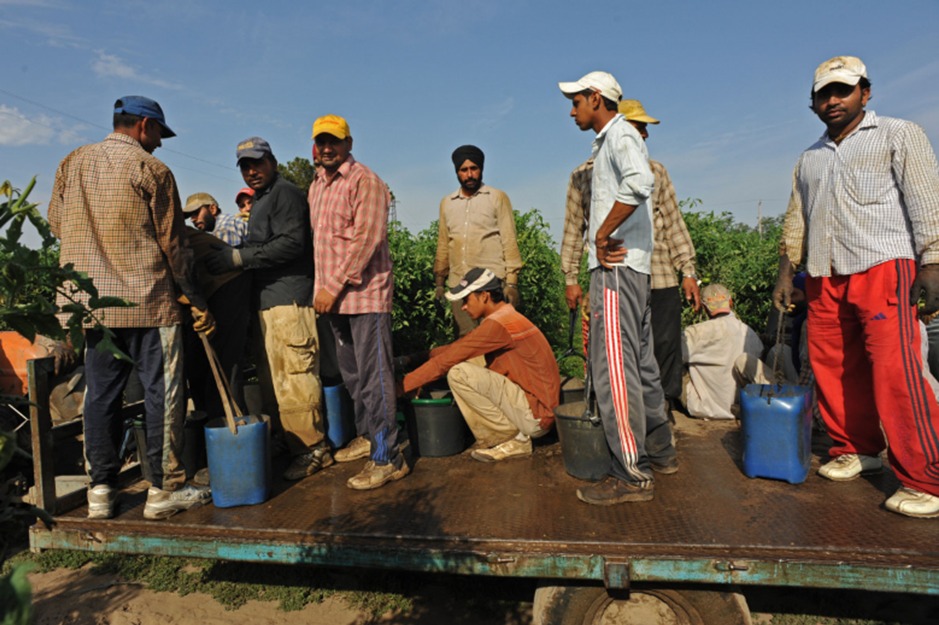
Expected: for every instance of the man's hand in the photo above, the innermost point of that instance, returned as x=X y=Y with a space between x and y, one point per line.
x=510 y=293
x=927 y=285
x=64 y=356
x=222 y=259
x=203 y=321
x=782 y=293
x=440 y=291
x=324 y=301
x=573 y=294
x=689 y=284
x=610 y=253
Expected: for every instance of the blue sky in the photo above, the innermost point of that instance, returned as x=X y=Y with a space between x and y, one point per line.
x=729 y=80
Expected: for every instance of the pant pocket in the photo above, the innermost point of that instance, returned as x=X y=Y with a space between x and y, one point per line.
x=301 y=344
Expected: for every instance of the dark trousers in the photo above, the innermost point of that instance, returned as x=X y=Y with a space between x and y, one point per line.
x=230 y=306
x=157 y=354
x=363 y=351
x=666 y=338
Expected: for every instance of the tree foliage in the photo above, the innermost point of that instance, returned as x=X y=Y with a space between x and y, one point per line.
x=741 y=257
x=298 y=171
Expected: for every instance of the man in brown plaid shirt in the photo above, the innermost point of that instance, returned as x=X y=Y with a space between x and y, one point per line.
x=117 y=212
x=673 y=251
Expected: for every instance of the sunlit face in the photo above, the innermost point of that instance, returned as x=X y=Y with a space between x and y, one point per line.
x=332 y=151
x=470 y=176
x=839 y=105
x=582 y=110
x=245 y=202
x=258 y=172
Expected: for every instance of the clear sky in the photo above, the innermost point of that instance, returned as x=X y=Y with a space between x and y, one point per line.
x=417 y=78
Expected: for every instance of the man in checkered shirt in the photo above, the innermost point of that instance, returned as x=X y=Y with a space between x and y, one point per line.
x=864 y=213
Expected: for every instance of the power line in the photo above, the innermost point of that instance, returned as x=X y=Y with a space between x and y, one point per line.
x=94 y=125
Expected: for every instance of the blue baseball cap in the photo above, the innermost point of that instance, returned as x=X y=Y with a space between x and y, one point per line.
x=143 y=107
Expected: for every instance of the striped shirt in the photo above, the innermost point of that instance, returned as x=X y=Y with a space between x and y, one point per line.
x=349 y=217
x=871 y=199
x=621 y=174
x=673 y=250
x=230 y=229
x=117 y=212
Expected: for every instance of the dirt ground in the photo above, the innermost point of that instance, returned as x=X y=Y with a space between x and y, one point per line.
x=85 y=597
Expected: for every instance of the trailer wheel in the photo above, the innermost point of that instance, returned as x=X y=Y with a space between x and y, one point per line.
x=592 y=605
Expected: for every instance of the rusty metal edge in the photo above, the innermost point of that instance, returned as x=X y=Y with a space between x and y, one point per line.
x=616 y=573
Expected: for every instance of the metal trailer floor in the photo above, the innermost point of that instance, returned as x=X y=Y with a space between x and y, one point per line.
x=708 y=523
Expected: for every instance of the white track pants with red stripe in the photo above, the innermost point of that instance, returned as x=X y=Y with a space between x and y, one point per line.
x=625 y=374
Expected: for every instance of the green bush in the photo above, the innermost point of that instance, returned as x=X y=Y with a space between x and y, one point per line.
x=741 y=258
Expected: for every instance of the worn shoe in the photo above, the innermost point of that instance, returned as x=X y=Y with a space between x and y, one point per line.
x=375 y=475
x=358 y=447
x=165 y=503
x=665 y=467
x=849 y=466
x=308 y=463
x=612 y=491
x=913 y=503
x=101 y=502
x=512 y=448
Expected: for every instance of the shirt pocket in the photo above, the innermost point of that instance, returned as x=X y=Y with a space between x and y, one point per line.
x=869 y=186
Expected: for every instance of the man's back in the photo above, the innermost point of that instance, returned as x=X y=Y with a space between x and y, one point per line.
x=709 y=349
x=115 y=208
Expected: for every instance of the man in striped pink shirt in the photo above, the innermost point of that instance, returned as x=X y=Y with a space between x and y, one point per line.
x=353 y=287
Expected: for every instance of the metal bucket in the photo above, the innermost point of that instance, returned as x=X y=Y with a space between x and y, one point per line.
x=583 y=442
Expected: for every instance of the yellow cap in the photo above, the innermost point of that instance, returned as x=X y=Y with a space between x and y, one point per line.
x=331 y=125
x=633 y=112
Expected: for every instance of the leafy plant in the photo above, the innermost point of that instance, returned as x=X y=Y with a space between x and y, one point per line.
x=31 y=279
x=742 y=258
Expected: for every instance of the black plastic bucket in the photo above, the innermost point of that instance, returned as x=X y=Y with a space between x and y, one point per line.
x=436 y=428
x=583 y=443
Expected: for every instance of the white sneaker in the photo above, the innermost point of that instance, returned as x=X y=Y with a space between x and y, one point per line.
x=512 y=448
x=165 y=503
x=913 y=503
x=101 y=501
x=849 y=466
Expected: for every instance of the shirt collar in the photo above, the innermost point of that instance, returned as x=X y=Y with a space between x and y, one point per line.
x=343 y=171
x=458 y=194
x=870 y=121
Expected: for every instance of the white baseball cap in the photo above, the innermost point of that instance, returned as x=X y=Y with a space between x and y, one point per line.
x=601 y=82
x=847 y=70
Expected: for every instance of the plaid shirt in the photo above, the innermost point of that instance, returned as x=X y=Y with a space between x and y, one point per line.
x=117 y=212
x=871 y=199
x=477 y=231
x=230 y=229
x=349 y=216
x=673 y=249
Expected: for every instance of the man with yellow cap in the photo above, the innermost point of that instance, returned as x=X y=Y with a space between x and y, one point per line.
x=864 y=216
x=349 y=214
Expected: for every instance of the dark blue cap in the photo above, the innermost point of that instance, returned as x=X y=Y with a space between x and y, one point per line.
x=143 y=107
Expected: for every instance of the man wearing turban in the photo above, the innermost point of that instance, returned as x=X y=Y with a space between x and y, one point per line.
x=476 y=229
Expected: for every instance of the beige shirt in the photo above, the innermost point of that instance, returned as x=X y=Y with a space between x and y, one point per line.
x=709 y=350
x=477 y=231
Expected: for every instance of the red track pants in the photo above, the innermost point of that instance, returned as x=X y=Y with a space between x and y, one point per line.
x=864 y=346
